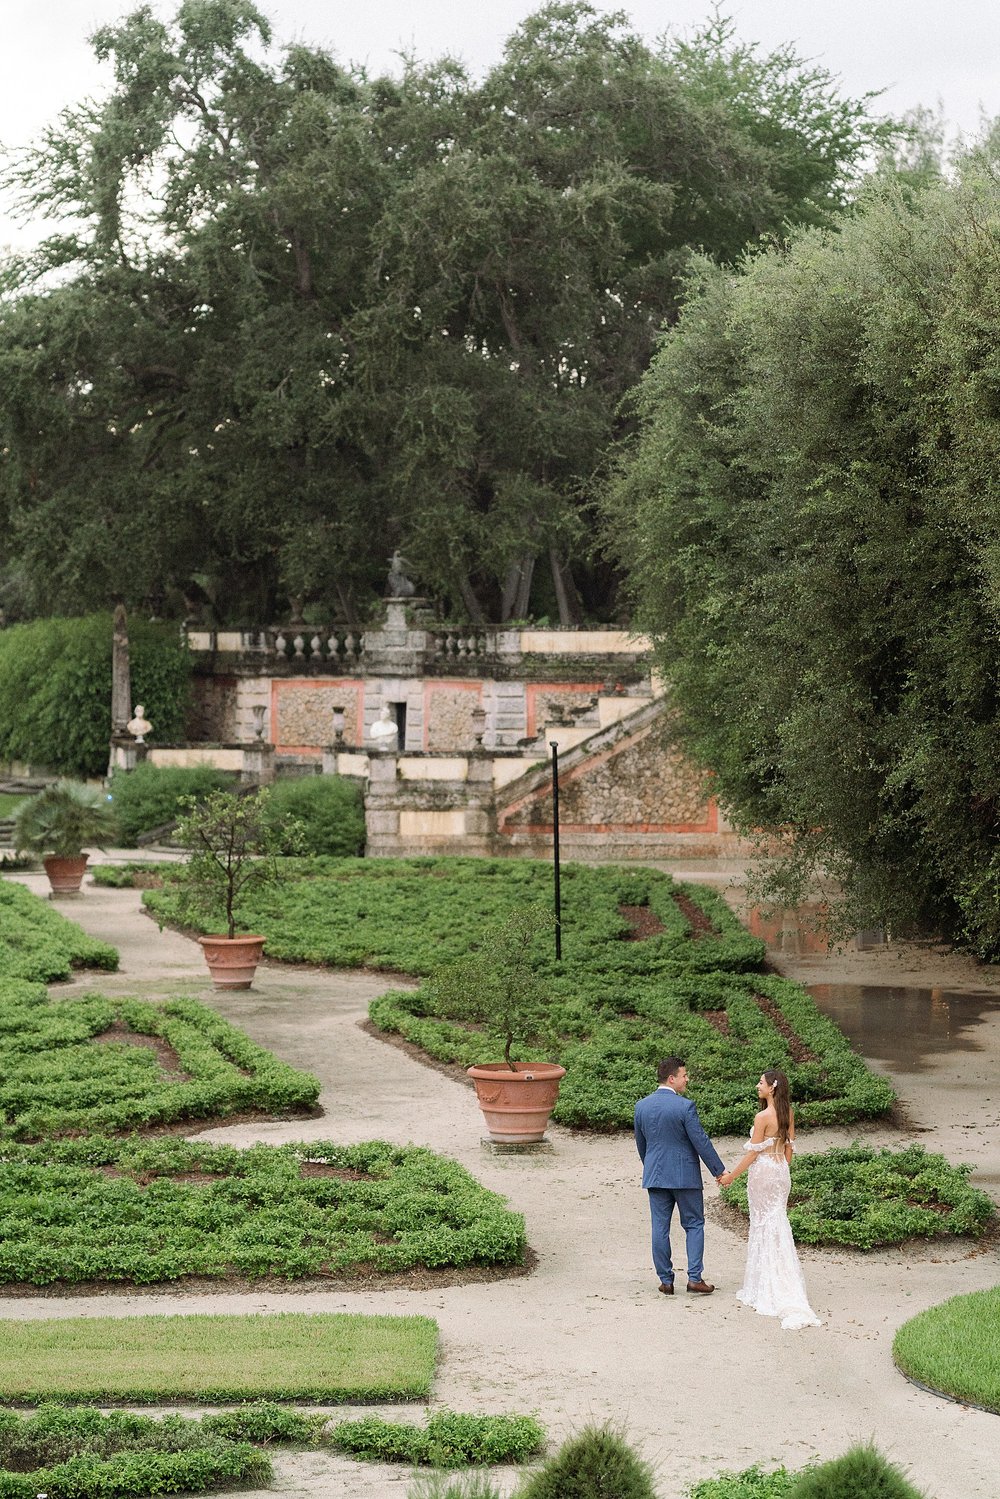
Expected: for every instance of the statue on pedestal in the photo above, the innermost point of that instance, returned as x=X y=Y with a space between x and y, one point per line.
x=398 y=585
x=384 y=732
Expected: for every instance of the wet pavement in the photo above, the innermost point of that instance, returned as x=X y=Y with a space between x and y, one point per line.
x=911 y=1029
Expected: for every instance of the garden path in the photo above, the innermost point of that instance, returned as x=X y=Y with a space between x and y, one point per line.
x=699 y=1383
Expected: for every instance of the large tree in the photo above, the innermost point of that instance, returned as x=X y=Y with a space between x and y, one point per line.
x=810 y=519
x=292 y=317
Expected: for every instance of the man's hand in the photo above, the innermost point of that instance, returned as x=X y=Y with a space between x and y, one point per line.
x=726 y=1179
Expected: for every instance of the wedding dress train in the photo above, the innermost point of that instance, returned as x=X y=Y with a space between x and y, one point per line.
x=772 y=1282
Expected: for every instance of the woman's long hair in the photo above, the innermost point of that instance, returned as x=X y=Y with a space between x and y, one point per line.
x=782 y=1101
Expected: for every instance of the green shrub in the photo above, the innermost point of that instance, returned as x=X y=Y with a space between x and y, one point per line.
x=330 y=809
x=449 y=1439
x=616 y=1006
x=752 y=1483
x=150 y=795
x=865 y=1197
x=862 y=1473
x=38 y=944
x=124 y=1210
x=597 y=1464
x=55 y=689
x=952 y=1348
x=453 y=1486
x=55 y=1080
x=64 y=819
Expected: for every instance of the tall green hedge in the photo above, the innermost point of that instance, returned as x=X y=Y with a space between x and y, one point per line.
x=55 y=689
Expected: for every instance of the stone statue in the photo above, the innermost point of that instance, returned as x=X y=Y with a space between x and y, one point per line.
x=398 y=585
x=384 y=732
x=139 y=726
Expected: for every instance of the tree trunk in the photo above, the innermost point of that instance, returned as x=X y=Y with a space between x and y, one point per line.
x=473 y=607
x=517 y=588
x=570 y=612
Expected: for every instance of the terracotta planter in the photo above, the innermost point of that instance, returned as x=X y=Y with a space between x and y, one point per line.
x=65 y=875
x=232 y=961
x=516 y=1105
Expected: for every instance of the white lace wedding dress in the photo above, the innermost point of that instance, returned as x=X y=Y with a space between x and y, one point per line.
x=773 y=1283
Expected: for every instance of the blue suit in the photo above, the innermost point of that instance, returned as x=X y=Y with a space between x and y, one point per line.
x=669 y=1138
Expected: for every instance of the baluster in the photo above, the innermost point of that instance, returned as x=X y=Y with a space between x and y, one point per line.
x=332 y=646
x=299 y=644
x=280 y=644
x=349 y=646
x=315 y=651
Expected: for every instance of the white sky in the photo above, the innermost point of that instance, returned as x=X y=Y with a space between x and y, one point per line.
x=919 y=51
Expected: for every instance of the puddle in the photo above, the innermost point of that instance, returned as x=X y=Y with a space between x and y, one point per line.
x=908 y=1029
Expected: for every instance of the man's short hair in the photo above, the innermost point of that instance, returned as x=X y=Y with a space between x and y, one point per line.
x=669 y=1067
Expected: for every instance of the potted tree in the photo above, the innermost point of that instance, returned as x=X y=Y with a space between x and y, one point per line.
x=59 y=823
x=234 y=844
x=498 y=986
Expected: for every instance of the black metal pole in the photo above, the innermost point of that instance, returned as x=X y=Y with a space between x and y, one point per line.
x=555 y=847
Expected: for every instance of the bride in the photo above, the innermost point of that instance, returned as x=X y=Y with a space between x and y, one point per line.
x=772 y=1282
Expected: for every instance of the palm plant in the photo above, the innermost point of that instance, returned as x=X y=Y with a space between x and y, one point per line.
x=63 y=820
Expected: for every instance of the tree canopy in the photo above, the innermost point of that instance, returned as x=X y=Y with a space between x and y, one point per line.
x=291 y=317
x=810 y=518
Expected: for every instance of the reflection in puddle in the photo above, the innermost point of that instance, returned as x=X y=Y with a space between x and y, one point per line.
x=906 y=1028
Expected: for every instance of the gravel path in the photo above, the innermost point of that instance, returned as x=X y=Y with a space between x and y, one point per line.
x=700 y=1384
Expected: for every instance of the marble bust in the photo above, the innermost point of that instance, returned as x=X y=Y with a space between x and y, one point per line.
x=384 y=732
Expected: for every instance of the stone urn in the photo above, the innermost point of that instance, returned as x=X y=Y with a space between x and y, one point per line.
x=232 y=961
x=65 y=873
x=516 y=1103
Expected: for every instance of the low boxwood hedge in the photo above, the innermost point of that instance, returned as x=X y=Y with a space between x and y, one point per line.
x=72 y=1065
x=865 y=1197
x=128 y=1210
x=36 y=942
x=449 y=1439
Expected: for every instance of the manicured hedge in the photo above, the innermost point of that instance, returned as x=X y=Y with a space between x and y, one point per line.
x=36 y=942
x=449 y=1440
x=55 y=689
x=82 y=1453
x=610 y=1038
x=57 y=1076
x=865 y=1197
x=619 y=1004
x=330 y=812
x=411 y=915
x=126 y=1210
x=150 y=795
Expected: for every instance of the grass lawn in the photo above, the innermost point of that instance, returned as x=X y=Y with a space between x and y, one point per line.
x=954 y=1348
x=287 y=1356
x=650 y=967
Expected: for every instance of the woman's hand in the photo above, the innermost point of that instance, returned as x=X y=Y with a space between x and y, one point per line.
x=726 y=1179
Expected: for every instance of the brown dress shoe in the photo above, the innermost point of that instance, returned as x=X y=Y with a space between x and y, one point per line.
x=701 y=1286
x=668 y=1290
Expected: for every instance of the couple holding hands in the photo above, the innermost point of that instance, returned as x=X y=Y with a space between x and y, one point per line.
x=670 y=1140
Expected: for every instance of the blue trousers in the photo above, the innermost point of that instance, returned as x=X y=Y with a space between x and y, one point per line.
x=690 y=1204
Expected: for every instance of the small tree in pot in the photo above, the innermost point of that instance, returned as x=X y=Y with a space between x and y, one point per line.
x=234 y=845
x=498 y=986
x=59 y=823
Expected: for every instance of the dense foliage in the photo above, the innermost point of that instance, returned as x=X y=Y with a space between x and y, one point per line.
x=150 y=796
x=449 y=1439
x=617 y=1005
x=292 y=316
x=328 y=812
x=266 y=1210
x=861 y=1473
x=88 y=1454
x=809 y=517
x=80 y=1064
x=596 y=1464
x=37 y=943
x=865 y=1197
x=952 y=1348
x=55 y=687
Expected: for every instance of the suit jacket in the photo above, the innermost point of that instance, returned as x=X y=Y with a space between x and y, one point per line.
x=669 y=1138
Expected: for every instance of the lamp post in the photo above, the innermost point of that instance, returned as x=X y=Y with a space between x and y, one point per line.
x=555 y=845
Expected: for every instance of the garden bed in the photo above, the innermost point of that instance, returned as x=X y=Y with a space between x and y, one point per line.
x=143 y=1212
x=867 y=1198
x=37 y=943
x=74 y=1065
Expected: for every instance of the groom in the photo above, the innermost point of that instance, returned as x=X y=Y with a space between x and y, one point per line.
x=669 y=1138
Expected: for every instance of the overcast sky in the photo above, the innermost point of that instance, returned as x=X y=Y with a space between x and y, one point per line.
x=919 y=51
